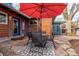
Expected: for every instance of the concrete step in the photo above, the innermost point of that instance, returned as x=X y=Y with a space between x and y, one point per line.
x=4 y=39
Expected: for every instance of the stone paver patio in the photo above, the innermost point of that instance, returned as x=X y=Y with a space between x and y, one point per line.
x=21 y=48
x=63 y=47
x=35 y=51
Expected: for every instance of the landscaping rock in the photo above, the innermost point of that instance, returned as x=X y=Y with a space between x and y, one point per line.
x=71 y=52
x=1 y=54
x=60 y=52
x=65 y=46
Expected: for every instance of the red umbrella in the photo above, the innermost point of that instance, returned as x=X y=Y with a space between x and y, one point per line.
x=42 y=10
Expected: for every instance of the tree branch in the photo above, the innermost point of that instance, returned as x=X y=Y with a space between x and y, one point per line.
x=65 y=13
x=72 y=9
x=77 y=9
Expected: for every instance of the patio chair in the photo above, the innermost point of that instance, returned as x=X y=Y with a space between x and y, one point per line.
x=30 y=35
x=38 y=40
x=52 y=39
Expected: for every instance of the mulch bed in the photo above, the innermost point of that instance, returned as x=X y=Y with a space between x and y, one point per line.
x=75 y=45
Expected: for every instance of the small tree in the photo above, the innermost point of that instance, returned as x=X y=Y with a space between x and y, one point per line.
x=69 y=16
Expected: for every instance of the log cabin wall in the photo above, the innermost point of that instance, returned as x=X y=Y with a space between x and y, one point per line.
x=6 y=29
x=34 y=25
x=45 y=26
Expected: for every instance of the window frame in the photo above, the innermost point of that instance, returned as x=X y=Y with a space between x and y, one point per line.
x=33 y=21
x=6 y=18
x=15 y=18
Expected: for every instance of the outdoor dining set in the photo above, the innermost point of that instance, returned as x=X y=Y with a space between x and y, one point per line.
x=39 y=39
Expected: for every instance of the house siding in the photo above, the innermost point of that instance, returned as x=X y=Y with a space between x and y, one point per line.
x=45 y=26
x=6 y=29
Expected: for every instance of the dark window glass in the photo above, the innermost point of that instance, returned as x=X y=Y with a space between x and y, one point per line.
x=2 y=18
x=33 y=22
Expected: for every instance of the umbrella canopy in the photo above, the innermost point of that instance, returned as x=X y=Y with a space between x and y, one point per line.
x=42 y=10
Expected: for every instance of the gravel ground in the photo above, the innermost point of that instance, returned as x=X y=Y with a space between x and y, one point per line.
x=37 y=51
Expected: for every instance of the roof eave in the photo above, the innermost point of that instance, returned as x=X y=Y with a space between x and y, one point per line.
x=16 y=11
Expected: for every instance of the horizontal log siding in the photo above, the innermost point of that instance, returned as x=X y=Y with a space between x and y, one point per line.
x=3 y=27
x=4 y=30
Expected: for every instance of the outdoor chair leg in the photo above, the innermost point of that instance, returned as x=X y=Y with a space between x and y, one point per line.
x=31 y=46
x=54 y=43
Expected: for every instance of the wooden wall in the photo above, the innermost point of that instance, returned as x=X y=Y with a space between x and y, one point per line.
x=47 y=25
x=6 y=29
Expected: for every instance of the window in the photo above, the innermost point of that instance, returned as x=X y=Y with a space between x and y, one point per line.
x=33 y=22
x=23 y=26
x=63 y=28
x=3 y=18
x=33 y=25
x=16 y=26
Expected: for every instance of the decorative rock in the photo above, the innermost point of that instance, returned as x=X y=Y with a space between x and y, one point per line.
x=65 y=46
x=60 y=52
x=1 y=54
x=71 y=52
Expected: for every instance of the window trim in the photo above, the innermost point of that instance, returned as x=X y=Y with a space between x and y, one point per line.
x=33 y=20
x=6 y=18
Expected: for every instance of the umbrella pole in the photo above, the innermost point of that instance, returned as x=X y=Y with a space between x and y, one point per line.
x=41 y=26
x=41 y=20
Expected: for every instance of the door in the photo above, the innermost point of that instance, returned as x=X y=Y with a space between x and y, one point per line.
x=56 y=29
x=16 y=27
